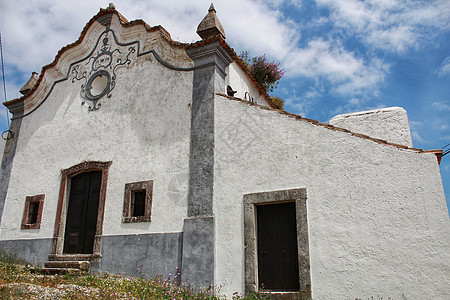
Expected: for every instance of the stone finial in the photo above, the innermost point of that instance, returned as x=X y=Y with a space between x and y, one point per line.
x=211 y=8
x=111 y=6
x=210 y=25
x=30 y=84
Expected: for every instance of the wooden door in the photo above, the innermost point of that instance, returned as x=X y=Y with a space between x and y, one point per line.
x=82 y=213
x=277 y=247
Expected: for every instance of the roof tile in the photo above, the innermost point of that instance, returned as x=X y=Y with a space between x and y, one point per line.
x=438 y=152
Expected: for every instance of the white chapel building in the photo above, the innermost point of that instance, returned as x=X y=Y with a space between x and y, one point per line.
x=134 y=153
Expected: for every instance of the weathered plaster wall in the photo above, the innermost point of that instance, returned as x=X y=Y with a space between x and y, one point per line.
x=7 y=162
x=245 y=89
x=143 y=254
x=390 y=124
x=2 y=146
x=143 y=129
x=378 y=224
x=34 y=251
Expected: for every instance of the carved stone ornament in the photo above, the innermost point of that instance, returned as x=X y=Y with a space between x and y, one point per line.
x=98 y=71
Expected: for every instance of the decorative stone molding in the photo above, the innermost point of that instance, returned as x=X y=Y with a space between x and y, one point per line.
x=211 y=54
x=86 y=166
x=97 y=72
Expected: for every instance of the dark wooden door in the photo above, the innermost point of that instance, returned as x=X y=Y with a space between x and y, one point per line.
x=82 y=213
x=277 y=247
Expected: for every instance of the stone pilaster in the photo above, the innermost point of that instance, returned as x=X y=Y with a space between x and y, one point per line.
x=210 y=62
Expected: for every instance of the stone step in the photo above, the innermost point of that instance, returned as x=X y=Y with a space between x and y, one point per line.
x=71 y=257
x=82 y=265
x=54 y=271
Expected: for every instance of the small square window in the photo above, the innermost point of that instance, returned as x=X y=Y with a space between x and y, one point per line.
x=32 y=213
x=138 y=202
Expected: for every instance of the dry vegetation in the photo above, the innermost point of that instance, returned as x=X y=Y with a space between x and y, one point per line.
x=17 y=282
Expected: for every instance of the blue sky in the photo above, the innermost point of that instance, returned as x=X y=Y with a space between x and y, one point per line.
x=340 y=56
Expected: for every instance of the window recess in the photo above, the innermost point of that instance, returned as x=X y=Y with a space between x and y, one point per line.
x=32 y=213
x=137 y=205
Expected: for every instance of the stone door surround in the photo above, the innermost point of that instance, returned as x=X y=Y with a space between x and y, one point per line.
x=250 y=238
x=58 y=234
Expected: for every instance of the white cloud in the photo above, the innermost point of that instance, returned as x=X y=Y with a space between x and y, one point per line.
x=440 y=124
x=444 y=68
x=12 y=92
x=33 y=31
x=246 y=30
x=415 y=124
x=390 y=25
x=4 y=115
x=330 y=61
x=276 y=4
x=303 y=103
x=299 y=105
x=417 y=137
x=441 y=106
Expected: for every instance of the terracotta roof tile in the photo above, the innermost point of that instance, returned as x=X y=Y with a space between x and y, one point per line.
x=437 y=152
x=334 y=128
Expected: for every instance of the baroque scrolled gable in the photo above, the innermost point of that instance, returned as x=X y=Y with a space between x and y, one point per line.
x=108 y=42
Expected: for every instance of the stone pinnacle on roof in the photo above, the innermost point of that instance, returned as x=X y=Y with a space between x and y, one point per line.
x=210 y=25
x=30 y=84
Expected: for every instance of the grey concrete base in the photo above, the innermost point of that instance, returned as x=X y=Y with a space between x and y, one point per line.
x=198 y=251
x=34 y=251
x=144 y=254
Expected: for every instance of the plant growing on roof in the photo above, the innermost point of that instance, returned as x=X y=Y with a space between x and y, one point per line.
x=279 y=103
x=266 y=73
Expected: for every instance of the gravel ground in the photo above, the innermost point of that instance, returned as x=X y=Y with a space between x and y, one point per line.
x=33 y=291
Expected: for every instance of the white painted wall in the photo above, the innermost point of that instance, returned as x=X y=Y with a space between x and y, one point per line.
x=389 y=124
x=378 y=223
x=144 y=129
x=239 y=81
